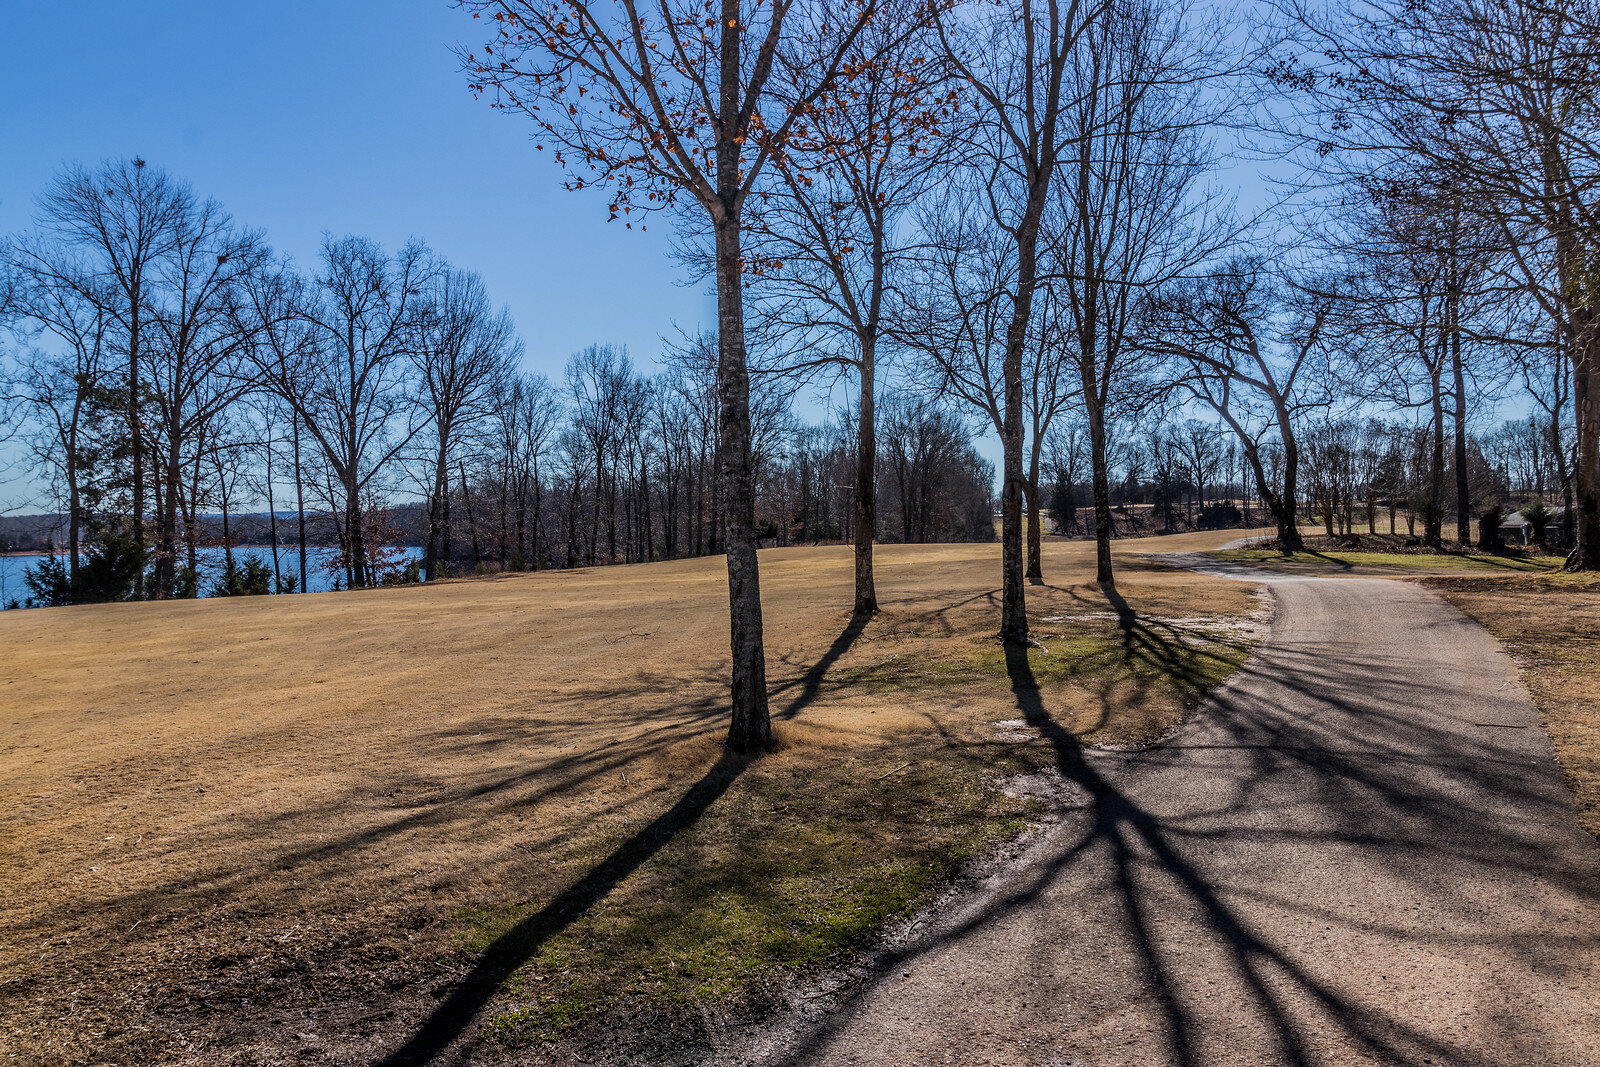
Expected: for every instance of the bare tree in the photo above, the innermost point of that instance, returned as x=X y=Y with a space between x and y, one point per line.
x=956 y=319
x=668 y=102
x=463 y=352
x=1496 y=96
x=102 y=230
x=1148 y=85
x=1014 y=59
x=1240 y=352
x=199 y=367
x=346 y=374
x=61 y=391
x=526 y=413
x=829 y=235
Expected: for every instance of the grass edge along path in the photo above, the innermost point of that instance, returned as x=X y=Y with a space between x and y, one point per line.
x=771 y=869
x=1550 y=626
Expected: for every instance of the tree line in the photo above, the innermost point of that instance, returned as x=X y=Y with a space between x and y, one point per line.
x=335 y=396
x=1016 y=215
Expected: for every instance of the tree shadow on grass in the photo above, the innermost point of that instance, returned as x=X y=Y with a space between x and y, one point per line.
x=514 y=948
x=523 y=941
x=1356 y=761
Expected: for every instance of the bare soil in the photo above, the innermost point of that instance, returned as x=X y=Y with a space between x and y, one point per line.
x=325 y=827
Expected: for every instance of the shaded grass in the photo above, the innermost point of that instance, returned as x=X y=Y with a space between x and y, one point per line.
x=814 y=850
x=800 y=863
x=1550 y=624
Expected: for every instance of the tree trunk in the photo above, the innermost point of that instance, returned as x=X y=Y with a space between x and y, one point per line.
x=472 y=521
x=1030 y=491
x=136 y=431
x=1585 y=554
x=1433 y=526
x=751 y=726
x=436 y=506
x=300 y=506
x=356 y=537
x=272 y=520
x=1100 y=477
x=74 y=515
x=1463 y=482
x=1035 y=573
x=866 y=485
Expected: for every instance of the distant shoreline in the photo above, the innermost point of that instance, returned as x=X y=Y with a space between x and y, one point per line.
x=237 y=548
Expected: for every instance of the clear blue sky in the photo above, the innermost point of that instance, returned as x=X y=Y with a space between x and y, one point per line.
x=346 y=116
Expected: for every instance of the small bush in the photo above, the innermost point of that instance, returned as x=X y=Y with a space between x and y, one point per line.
x=252 y=579
x=1219 y=517
x=106 y=573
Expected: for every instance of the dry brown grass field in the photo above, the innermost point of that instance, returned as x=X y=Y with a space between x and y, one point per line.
x=314 y=828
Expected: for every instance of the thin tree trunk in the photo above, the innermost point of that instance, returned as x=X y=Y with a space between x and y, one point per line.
x=1433 y=528
x=866 y=485
x=751 y=726
x=136 y=432
x=272 y=521
x=300 y=506
x=1463 y=481
x=1100 y=479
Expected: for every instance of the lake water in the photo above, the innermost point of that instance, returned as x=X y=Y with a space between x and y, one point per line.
x=319 y=579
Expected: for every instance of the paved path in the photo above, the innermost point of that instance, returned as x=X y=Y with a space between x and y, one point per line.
x=1360 y=852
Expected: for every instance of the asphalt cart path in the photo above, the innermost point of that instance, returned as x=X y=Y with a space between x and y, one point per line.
x=1360 y=850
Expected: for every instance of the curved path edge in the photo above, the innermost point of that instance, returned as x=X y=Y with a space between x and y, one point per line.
x=1359 y=850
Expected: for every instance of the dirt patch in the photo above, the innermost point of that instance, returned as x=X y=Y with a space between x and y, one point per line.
x=1550 y=624
x=299 y=829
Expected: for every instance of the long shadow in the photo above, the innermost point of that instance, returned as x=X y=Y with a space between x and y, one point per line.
x=1115 y=815
x=1352 y=774
x=811 y=682
x=522 y=942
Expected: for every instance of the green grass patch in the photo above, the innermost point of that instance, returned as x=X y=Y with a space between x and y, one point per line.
x=809 y=853
x=784 y=873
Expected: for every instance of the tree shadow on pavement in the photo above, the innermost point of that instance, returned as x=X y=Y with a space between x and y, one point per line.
x=1147 y=865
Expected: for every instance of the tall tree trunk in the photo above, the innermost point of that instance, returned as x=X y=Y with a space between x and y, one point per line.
x=74 y=514
x=1100 y=480
x=436 y=506
x=272 y=521
x=751 y=726
x=356 y=537
x=472 y=521
x=1433 y=527
x=136 y=431
x=866 y=483
x=1035 y=572
x=300 y=507
x=1585 y=554
x=538 y=506
x=1013 y=598
x=1463 y=481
